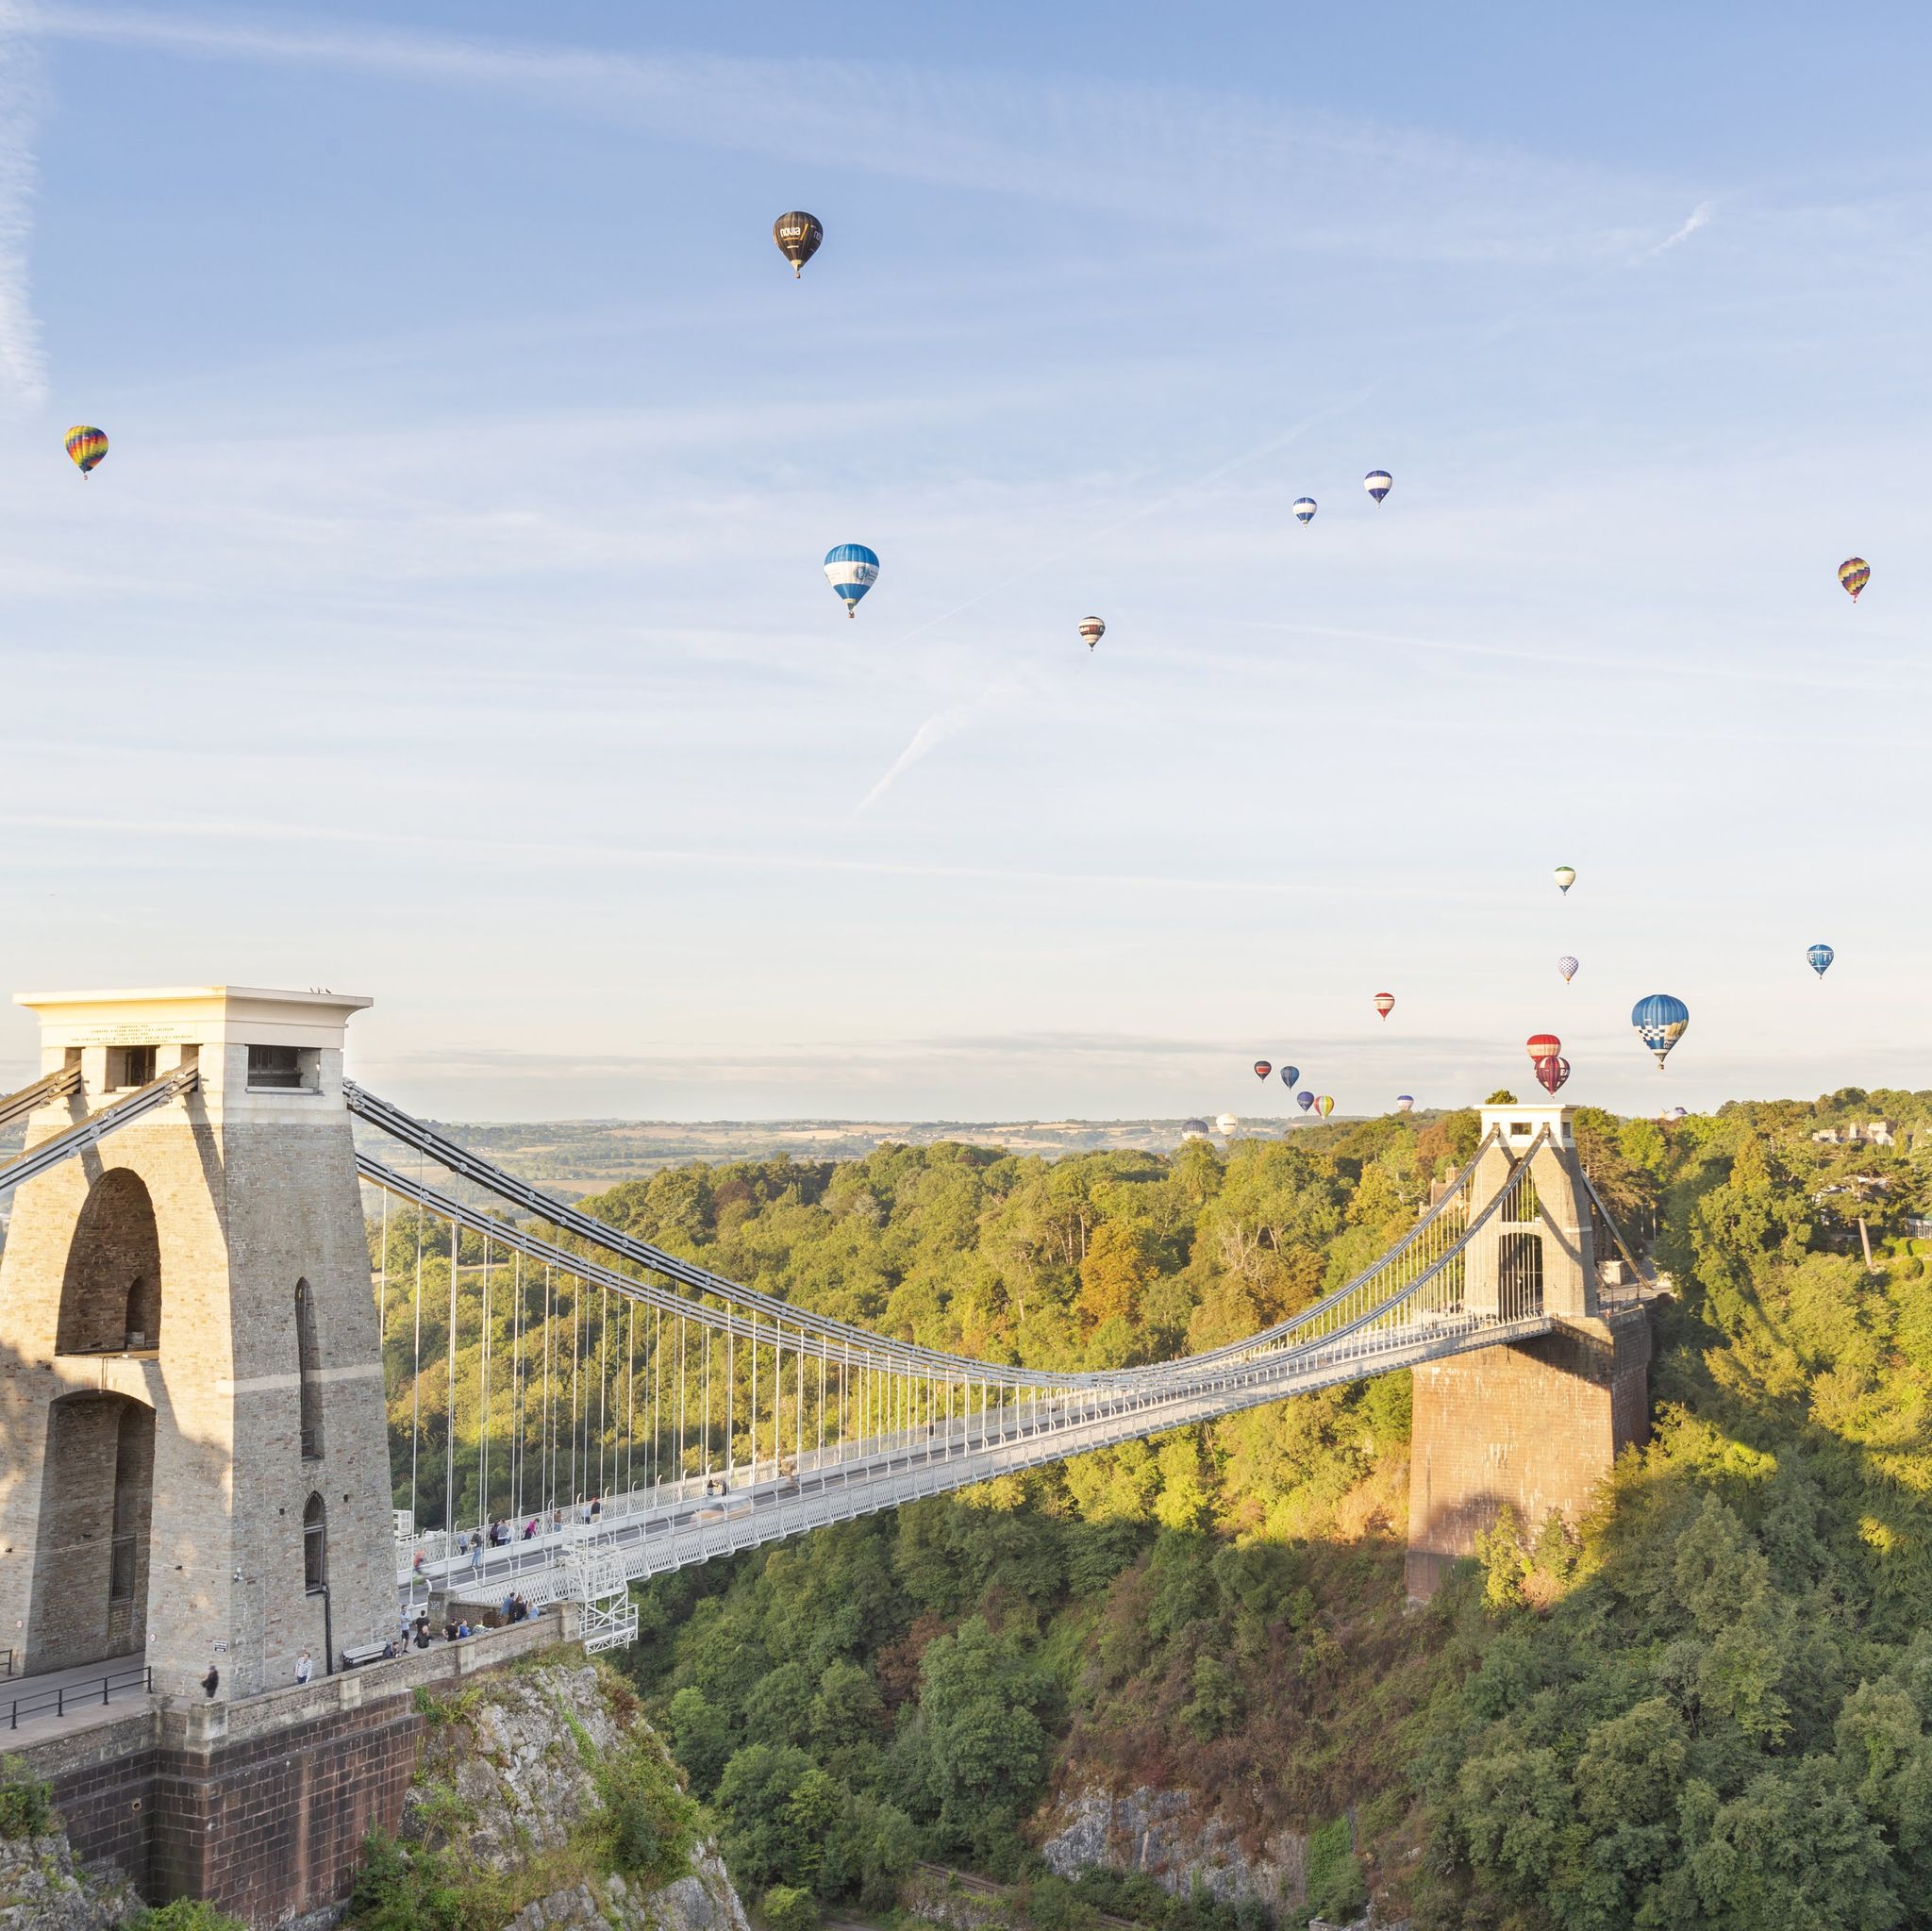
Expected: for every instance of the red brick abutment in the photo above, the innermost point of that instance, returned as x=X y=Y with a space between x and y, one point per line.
x=1533 y=1426
x=261 y=1806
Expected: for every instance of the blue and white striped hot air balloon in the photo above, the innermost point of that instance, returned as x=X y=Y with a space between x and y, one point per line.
x=1378 y=483
x=1821 y=956
x=1305 y=510
x=1405 y=1103
x=852 y=570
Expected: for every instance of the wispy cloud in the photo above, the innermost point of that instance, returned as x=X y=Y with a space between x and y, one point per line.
x=22 y=371
x=933 y=732
x=1213 y=163
x=1699 y=217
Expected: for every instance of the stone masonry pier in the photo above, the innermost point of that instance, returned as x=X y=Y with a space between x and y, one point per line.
x=260 y=1806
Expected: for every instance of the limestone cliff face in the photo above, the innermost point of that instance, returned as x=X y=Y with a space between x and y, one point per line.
x=41 y=1890
x=545 y=1793
x=1163 y=1835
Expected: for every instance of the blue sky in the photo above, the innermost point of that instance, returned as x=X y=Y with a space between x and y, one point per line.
x=446 y=622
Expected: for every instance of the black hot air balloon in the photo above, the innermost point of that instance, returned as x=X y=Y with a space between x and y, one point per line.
x=798 y=236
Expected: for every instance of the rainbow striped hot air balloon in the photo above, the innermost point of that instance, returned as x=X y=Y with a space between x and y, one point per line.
x=1325 y=1105
x=86 y=446
x=1659 y=1018
x=1854 y=574
x=852 y=570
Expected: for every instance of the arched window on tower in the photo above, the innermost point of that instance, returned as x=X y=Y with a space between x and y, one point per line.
x=315 y=1546
x=144 y=1312
x=308 y=1360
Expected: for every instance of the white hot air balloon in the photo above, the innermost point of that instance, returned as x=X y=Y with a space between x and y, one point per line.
x=1092 y=629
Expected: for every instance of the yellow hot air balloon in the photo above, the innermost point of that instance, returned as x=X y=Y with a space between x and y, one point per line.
x=1325 y=1105
x=86 y=446
x=1854 y=574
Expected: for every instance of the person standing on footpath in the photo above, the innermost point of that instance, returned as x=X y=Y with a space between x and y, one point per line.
x=304 y=1667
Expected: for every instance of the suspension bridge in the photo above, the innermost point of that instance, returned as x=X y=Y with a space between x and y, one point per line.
x=197 y=1338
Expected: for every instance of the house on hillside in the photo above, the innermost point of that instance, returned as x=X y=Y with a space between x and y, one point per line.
x=1857 y=1133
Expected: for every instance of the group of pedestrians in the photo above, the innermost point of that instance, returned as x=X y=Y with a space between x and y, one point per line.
x=502 y=1533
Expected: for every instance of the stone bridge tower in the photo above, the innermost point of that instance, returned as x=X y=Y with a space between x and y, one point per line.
x=1532 y=1425
x=193 y=1462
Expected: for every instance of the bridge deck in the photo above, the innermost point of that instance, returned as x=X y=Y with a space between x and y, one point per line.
x=660 y=1536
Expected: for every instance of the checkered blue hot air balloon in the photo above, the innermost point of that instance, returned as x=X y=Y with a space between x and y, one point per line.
x=1305 y=510
x=1378 y=483
x=1289 y=1076
x=852 y=570
x=1821 y=957
x=1567 y=966
x=1305 y=1101
x=1660 y=1021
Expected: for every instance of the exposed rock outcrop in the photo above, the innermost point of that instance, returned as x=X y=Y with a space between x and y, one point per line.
x=527 y=1779
x=41 y=1890
x=1163 y=1835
